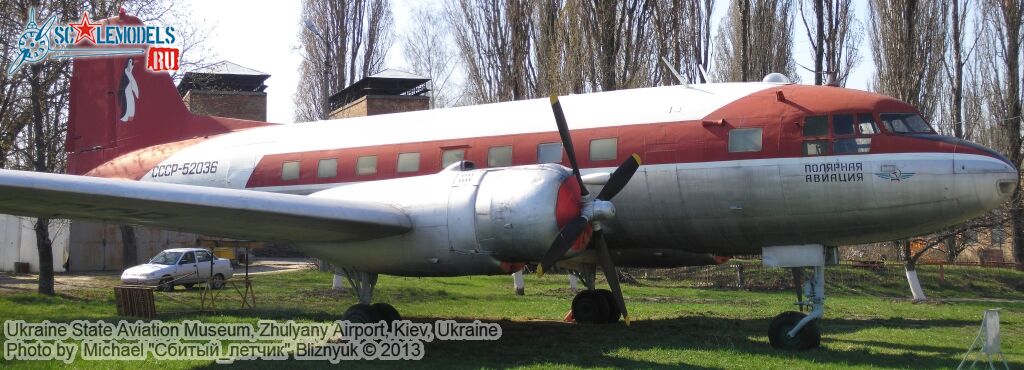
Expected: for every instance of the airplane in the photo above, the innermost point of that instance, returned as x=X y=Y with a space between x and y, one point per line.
x=656 y=177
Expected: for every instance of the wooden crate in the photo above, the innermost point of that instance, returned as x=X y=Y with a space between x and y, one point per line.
x=135 y=301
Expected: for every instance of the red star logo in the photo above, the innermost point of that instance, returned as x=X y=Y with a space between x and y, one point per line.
x=84 y=29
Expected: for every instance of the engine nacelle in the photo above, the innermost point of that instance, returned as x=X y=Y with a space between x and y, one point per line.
x=519 y=211
x=464 y=222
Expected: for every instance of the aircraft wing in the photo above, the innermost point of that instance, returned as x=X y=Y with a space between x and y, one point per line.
x=232 y=213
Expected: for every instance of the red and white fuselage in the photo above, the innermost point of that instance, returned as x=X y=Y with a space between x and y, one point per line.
x=693 y=193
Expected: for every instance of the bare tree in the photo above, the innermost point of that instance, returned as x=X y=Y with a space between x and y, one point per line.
x=619 y=34
x=429 y=52
x=908 y=41
x=494 y=43
x=683 y=37
x=834 y=40
x=341 y=42
x=1000 y=71
x=755 y=39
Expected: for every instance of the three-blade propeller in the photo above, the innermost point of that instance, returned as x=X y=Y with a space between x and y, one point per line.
x=594 y=211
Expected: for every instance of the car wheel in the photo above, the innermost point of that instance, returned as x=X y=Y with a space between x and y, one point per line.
x=217 y=282
x=166 y=284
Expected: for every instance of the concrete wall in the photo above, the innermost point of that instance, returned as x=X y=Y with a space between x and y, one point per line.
x=99 y=247
x=18 y=243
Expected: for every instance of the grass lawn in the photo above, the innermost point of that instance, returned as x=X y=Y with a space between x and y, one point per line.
x=674 y=324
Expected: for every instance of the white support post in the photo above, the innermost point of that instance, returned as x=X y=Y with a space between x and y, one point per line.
x=915 y=286
x=519 y=283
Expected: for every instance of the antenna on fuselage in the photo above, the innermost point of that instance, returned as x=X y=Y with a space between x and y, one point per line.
x=704 y=73
x=674 y=72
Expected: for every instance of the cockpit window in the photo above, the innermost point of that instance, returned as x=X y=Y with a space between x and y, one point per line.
x=905 y=123
x=842 y=124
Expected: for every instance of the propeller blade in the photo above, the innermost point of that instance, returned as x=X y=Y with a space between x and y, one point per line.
x=620 y=177
x=563 y=131
x=565 y=239
x=608 y=268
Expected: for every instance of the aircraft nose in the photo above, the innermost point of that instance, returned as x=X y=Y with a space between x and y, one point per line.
x=994 y=177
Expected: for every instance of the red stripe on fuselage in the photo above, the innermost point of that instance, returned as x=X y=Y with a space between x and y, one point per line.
x=703 y=140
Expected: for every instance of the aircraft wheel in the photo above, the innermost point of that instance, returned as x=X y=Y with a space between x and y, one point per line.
x=385 y=312
x=188 y=286
x=809 y=337
x=590 y=307
x=613 y=308
x=360 y=313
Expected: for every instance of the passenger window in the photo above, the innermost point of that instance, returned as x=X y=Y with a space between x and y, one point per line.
x=815 y=147
x=408 y=162
x=604 y=149
x=327 y=168
x=842 y=124
x=549 y=153
x=366 y=165
x=745 y=140
x=852 y=145
x=203 y=256
x=866 y=124
x=816 y=126
x=451 y=156
x=290 y=170
x=187 y=258
x=499 y=156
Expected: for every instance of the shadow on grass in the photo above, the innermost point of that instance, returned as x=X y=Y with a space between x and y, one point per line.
x=663 y=343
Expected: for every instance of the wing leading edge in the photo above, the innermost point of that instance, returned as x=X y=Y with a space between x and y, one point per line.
x=232 y=213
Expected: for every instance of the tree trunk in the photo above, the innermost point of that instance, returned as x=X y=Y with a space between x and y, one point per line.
x=819 y=43
x=130 y=255
x=910 y=266
x=39 y=164
x=744 y=40
x=45 y=248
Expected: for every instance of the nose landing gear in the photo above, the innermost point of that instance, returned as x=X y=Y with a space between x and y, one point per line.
x=793 y=330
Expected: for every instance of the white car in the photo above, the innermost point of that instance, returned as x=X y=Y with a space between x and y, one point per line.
x=180 y=266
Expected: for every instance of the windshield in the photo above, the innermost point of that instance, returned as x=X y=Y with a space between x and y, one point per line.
x=905 y=123
x=166 y=258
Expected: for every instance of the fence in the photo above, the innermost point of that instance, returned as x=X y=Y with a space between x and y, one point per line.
x=857 y=277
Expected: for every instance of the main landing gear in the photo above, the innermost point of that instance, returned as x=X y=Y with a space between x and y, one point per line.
x=363 y=312
x=594 y=306
x=793 y=330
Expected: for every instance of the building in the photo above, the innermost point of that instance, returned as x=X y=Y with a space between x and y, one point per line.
x=225 y=89
x=390 y=91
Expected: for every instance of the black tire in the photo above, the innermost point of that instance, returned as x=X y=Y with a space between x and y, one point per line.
x=360 y=313
x=614 y=314
x=590 y=307
x=188 y=286
x=809 y=337
x=385 y=312
x=165 y=284
x=217 y=282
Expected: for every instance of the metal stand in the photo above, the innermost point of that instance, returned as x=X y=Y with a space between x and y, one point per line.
x=987 y=341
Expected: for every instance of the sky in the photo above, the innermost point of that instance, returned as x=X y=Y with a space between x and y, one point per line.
x=263 y=35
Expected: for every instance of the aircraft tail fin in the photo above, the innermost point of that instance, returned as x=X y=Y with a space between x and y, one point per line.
x=117 y=105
